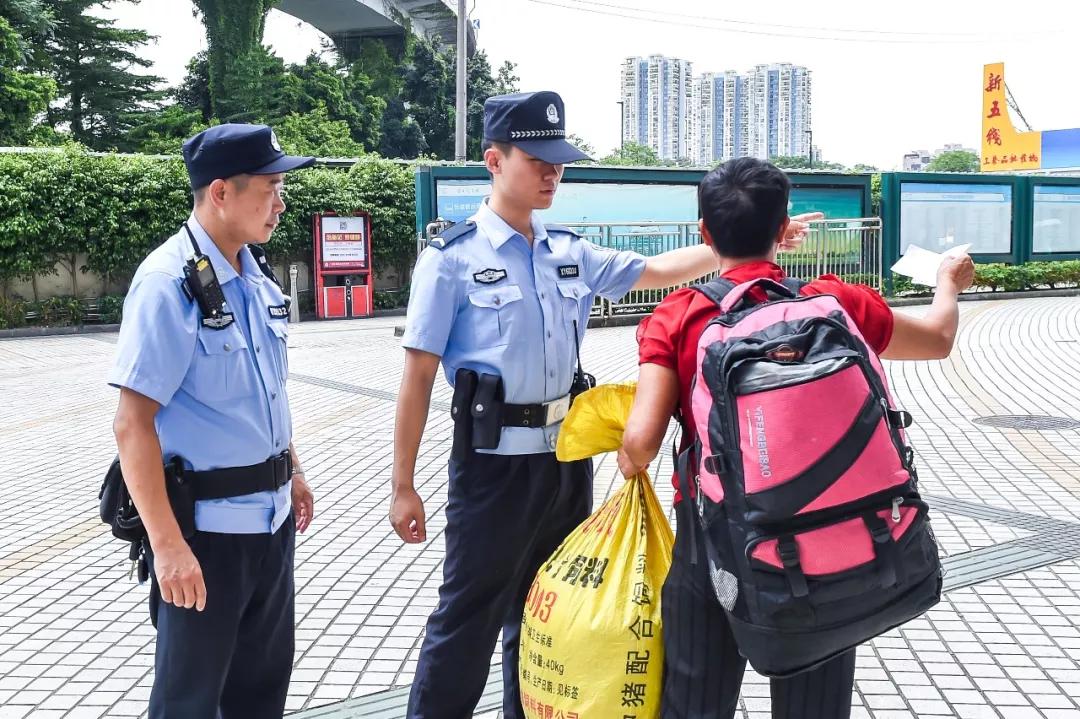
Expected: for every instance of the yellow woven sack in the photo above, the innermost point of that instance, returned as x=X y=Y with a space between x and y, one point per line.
x=591 y=646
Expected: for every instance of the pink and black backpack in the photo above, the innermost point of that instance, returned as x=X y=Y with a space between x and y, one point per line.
x=816 y=537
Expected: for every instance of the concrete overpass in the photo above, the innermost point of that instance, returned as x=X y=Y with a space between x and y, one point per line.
x=348 y=21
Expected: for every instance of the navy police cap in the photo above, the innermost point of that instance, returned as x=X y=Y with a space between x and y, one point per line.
x=225 y=151
x=535 y=122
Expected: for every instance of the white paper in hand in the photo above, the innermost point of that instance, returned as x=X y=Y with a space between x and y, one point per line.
x=922 y=265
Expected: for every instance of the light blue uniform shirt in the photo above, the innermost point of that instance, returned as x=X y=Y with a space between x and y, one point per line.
x=221 y=391
x=490 y=302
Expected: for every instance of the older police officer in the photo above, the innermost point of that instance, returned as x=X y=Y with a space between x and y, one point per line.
x=201 y=366
x=502 y=300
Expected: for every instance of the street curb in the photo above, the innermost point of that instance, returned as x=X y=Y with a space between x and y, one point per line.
x=627 y=320
x=983 y=296
x=21 y=332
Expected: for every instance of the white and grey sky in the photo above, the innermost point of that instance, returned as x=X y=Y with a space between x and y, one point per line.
x=888 y=77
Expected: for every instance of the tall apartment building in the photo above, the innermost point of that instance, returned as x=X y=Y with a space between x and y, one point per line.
x=716 y=116
x=655 y=93
x=779 y=111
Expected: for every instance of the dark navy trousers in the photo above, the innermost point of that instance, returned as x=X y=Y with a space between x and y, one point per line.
x=703 y=670
x=233 y=659
x=504 y=517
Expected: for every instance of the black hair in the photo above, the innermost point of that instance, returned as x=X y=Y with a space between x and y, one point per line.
x=743 y=203
x=504 y=147
x=241 y=182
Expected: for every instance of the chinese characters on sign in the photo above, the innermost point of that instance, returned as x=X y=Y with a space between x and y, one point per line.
x=344 y=242
x=1003 y=148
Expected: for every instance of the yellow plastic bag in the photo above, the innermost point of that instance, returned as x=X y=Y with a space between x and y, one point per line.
x=591 y=646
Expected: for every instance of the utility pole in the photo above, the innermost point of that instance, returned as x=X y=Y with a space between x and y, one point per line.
x=462 y=58
x=810 y=152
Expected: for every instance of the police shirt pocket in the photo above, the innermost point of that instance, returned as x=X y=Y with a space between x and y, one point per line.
x=492 y=313
x=574 y=295
x=222 y=365
x=280 y=331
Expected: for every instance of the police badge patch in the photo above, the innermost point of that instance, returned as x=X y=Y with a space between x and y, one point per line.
x=220 y=322
x=489 y=276
x=568 y=271
x=279 y=312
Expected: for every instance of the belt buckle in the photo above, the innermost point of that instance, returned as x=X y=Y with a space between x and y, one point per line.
x=789 y=555
x=556 y=411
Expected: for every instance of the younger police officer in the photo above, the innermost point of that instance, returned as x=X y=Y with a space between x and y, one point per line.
x=501 y=301
x=201 y=366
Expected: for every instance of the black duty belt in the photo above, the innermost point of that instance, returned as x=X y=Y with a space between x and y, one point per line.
x=535 y=415
x=268 y=476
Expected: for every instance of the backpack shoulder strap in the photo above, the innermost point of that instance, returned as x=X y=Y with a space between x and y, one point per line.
x=793 y=284
x=715 y=289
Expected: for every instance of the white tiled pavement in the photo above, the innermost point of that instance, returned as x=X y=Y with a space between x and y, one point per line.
x=75 y=641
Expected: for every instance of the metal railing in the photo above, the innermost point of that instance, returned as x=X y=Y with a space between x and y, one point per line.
x=849 y=248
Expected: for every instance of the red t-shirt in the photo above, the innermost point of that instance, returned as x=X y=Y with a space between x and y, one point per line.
x=669 y=336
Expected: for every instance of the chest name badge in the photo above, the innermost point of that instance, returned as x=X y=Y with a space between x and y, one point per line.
x=568 y=271
x=279 y=312
x=489 y=277
x=220 y=322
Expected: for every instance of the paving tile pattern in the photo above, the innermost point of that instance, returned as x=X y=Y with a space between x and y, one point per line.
x=75 y=640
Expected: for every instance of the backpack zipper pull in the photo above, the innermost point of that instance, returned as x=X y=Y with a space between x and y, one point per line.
x=897 y=501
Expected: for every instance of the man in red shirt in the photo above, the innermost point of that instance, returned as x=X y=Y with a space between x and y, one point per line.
x=743 y=206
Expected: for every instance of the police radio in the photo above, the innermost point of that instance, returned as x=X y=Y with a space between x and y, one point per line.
x=201 y=283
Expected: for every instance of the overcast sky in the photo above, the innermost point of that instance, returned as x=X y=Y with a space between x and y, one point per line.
x=888 y=78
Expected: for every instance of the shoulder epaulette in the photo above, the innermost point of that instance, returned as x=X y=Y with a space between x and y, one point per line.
x=447 y=236
x=562 y=228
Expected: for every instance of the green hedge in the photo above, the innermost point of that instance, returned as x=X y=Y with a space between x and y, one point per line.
x=1009 y=278
x=115 y=209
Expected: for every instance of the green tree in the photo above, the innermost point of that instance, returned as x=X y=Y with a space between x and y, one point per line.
x=370 y=107
x=162 y=132
x=429 y=95
x=314 y=133
x=344 y=93
x=23 y=96
x=798 y=162
x=261 y=89
x=381 y=61
x=92 y=61
x=581 y=144
x=234 y=32
x=303 y=97
x=633 y=155
x=480 y=85
x=30 y=19
x=954 y=161
x=401 y=135
x=506 y=81
x=194 y=92
x=429 y=92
